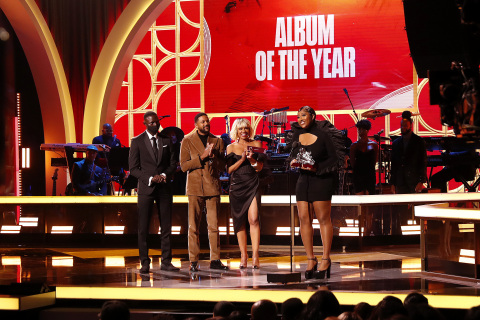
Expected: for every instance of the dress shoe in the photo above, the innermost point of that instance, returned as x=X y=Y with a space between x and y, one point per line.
x=194 y=266
x=169 y=267
x=145 y=266
x=217 y=264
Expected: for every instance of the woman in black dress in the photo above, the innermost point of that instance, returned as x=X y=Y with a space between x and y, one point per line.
x=315 y=187
x=363 y=157
x=243 y=166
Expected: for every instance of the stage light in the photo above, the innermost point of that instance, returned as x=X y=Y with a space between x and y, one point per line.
x=114 y=229
x=466 y=227
x=351 y=222
x=175 y=229
x=410 y=230
x=467 y=256
x=10 y=229
x=114 y=261
x=62 y=229
x=25 y=158
x=62 y=261
x=28 y=221
x=350 y=231
x=223 y=230
x=11 y=261
x=411 y=265
x=285 y=231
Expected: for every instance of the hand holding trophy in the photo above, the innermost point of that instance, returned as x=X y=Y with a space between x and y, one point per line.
x=304 y=160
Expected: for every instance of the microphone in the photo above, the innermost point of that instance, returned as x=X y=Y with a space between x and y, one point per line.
x=380 y=132
x=345 y=90
x=166 y=116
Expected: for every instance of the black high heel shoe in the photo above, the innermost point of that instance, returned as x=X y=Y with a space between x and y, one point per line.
x=309 y=273
x=324 y=274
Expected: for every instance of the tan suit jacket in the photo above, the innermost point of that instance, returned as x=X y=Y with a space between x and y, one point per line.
x=203 y=177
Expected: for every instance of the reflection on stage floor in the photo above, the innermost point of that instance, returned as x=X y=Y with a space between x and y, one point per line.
x=384 y=271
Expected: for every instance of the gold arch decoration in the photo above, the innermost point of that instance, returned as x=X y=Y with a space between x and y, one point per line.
x=153 y=67
x=113 y=61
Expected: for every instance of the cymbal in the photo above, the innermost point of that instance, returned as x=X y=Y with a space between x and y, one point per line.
x=381 y=138
x=374 y=113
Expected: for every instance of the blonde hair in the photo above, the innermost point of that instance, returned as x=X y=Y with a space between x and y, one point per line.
x=238 y=124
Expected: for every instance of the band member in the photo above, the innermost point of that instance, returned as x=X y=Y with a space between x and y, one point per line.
x=243 y=165
x=409 y=159
x=107 y=138
x=315 y=187
x=363 y=157
x=202 y=157
x=87 y=177
x=152 y=162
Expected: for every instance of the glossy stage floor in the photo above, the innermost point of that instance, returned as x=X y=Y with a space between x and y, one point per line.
x=104 y=274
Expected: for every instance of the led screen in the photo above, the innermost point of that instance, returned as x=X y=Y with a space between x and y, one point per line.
x=268 y=54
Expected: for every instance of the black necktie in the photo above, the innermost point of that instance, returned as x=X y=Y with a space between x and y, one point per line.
x=155 y=148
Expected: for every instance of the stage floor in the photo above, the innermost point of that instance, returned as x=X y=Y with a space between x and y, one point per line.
x=105 y=274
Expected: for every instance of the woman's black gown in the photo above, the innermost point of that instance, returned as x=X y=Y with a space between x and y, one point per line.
x=244 y=184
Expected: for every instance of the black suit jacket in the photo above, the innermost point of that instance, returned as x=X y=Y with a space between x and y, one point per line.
x=409 y=167
x=142 y=162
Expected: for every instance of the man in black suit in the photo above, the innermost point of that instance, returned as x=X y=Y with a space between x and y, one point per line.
x=152 y=162
x=409 y=170
x=409 y=159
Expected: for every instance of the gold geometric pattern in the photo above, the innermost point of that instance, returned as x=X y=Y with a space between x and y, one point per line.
x=158 y=57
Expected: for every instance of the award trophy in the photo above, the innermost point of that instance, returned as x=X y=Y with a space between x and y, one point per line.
x=304 y=159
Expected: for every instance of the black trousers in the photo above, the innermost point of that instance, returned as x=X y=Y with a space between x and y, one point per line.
x=162 y=199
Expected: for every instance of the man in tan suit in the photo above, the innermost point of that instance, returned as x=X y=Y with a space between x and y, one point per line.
x=202 y=157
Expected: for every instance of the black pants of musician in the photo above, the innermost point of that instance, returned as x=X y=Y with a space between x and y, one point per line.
x=162 y=199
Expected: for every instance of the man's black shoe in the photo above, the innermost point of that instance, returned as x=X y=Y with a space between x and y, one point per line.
x=194 y=266
x=169 y=267
x=145 y=266
x=217 y=264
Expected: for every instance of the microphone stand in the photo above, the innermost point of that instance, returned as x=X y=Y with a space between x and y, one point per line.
x=354 y=112
x=285 y=277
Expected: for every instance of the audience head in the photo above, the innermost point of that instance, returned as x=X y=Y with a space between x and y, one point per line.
x=364 y=310
x=473 y=313
x=388 y=307
x=414 y=298
x=322 y=304
x=264 y=310
x=423 y=311
x=347 y=315
x=114 y=310
x=291 y=309
x=223 y=309
x=238 y=315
